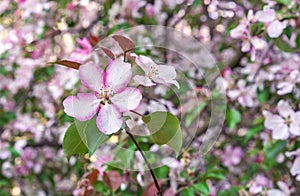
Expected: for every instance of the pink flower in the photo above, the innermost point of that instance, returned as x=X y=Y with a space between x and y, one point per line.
x=274 y=26
x=111 y=97
x=231 y=156
x=285 y=87
x=259 y=183
x=155 y=73
x=295 y=169
x=81 y=53
x=284 y=124
x=244 y=94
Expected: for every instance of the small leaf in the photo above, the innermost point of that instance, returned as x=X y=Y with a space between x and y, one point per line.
x=151 y=189
x=90 y=134
x=163 y=127
x=282 y=45
x=112 y=179
x=93 y=39
x=286 y=2
x=125 y=43
x=276 y=149
x=72 y=142
x=67 y=63
x=298 y=41
x=93 y=176
x=263 y=95
x=233 y=117
x=201 y=187
x=176 y=142
x=189 y=191
x=108 y=52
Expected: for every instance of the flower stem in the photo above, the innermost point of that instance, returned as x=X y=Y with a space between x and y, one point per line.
x=141 y=115
x=146 y=161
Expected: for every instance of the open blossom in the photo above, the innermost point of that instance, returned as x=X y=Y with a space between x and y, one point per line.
x=287 y=86
x=260 y=182
x=284 y=124
x=274 y=26
x=295 y=169
x=231 y=156
x=111 y=95
x=155 y=73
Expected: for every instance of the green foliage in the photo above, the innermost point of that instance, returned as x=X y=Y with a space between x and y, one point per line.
x=194 y=113
x=263 y=95
x=282 y=45
x=161 y=172
x=233 y=117
x=286 y=2
x=202 y=187
x=44 y=73
x=298 y=41
x=5 y=117
x=90 y=134
x=73 y=143
x=165 y=129
x=189 y=191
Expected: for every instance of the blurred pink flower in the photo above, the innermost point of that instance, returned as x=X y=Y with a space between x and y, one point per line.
x=284 y=124
x=111 y=96
x=246 y=95
x=260 y=182
x=231 y=156
x=287 y=86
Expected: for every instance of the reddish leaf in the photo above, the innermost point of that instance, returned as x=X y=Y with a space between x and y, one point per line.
x=169 y=192
x=70 y=64
x=151 y=189
x=93 y=176
x=112 y=179
x=108 y=52
x=126 y=44
x=93 y=39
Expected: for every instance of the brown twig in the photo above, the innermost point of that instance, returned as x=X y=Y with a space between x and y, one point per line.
x=146 y=161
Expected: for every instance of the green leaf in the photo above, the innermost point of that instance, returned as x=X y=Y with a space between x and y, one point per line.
x=263 y=95
x=282 y=45
x=288 y=31
x=90 y=134
x=201 y=187
x=298 y=41
x=188 y=191
x=164 y=128
x=252 y=132
x=276 y=149
x=286 y=2
x=72 y=142
x=176 y=142
x=194 y=113
x=233 y=117
x=196 y=3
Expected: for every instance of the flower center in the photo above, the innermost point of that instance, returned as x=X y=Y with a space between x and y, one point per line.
x=153 y=71
x=288 y=121
x=105 y=94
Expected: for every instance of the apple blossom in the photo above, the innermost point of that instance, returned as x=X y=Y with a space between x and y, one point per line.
x=284 y=124
x=111 y=97
x=163 y=74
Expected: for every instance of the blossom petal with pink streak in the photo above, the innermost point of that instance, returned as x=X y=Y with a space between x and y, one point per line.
x=91 y=76
x=118 y=75
x=129 y=99
x=83 y=106
x=109 y=119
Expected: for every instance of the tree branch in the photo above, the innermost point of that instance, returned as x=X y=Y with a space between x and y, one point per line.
x=146 y=161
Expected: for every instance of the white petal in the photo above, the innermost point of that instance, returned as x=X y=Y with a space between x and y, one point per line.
x=109 y=119
x=296 y=167
x=275 y=192
x=265 y=16
x=294 y=127
x=83 y=106
x=117 y=75
x=143 y=80
x=129 y=99
x=145 y=63
x=91 y=76
x=284 y=88
x=284 y=109
x=275 y=29
x=272 y=121
x=166 y=74
x=281 y=133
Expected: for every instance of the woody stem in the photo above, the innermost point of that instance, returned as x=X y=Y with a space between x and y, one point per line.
x=146 y=161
